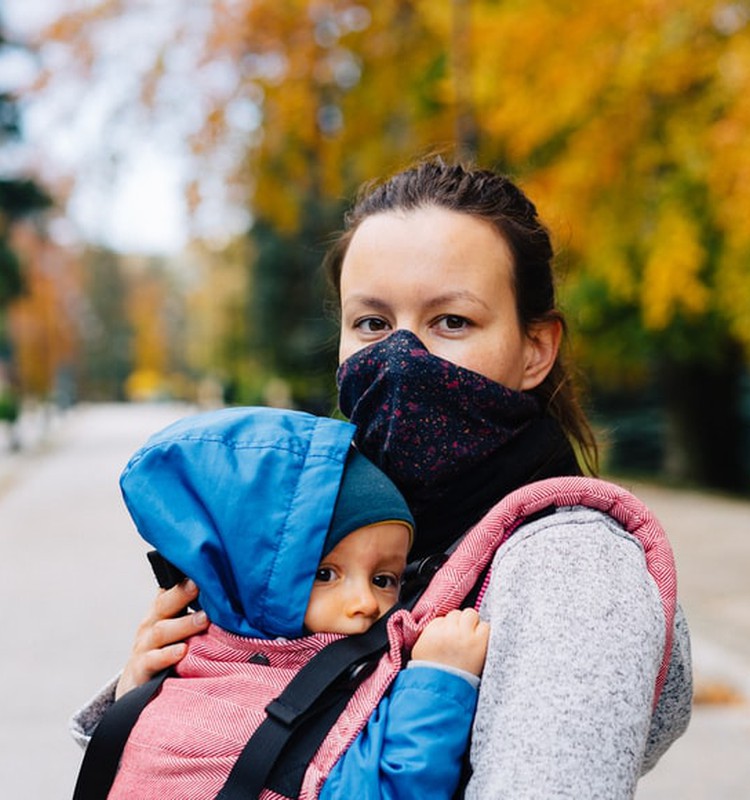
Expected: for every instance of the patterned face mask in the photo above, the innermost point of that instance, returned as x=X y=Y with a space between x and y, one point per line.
x=453 y=441
x=423 y=419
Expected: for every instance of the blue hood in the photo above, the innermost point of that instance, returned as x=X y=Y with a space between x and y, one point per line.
x=241 y=500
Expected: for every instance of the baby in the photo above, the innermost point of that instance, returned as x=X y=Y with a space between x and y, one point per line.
x=294 y=539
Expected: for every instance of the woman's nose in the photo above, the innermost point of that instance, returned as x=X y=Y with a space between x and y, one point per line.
x=408 y=326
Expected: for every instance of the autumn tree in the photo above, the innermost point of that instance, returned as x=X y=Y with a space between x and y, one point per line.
x=217 y=323
x=627 y=124
x=43 y=321
x=106 y=330
x=154 y=310
x=631 y=131
x=20 y=198
x=309 y=69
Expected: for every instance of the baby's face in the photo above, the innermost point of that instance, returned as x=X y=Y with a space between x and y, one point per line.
x=358 y=581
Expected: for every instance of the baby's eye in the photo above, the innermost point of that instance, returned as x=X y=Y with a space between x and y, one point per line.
x=324 y=575
x=385 y=581
x=452 y=322
x=371 y=325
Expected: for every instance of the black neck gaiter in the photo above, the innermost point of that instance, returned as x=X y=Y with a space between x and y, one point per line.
x=453 y=441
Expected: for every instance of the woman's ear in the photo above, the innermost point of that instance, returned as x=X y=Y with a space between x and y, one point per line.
x=542 y=345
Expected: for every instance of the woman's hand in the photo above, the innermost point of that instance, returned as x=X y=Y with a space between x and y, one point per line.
x=159 y=639
x=459 y=639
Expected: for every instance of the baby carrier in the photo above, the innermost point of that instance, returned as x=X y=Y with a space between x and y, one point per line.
x=323 y=708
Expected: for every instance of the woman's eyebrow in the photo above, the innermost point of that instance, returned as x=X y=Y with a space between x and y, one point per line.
x=369 y=301
x=377 y=304
x=459 y=294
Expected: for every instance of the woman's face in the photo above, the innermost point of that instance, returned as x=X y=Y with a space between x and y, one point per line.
x=448 y=278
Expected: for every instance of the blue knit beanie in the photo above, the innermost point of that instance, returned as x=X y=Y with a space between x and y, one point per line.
x=366 y=496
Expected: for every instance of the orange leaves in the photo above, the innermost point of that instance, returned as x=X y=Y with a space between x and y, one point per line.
x=727 y=143
x=538 y=72
x=43 y=321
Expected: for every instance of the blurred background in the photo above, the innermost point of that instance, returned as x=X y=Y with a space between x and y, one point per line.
x=170 y=173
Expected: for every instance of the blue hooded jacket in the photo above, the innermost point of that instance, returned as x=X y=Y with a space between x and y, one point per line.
x=249 y=531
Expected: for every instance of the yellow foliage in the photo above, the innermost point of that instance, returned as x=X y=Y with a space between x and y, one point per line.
x=147 y=312
x=216 y=305
x=671 y=276
x=145 y=384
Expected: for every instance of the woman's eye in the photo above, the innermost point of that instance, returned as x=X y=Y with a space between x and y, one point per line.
x=453 y=322
x=324 y=575
x=385 y=581
x=371 y=325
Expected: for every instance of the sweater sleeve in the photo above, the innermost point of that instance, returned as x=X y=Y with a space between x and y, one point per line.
x=577 y=637
x=672 y=713
x=414 y=743
x=84 y=721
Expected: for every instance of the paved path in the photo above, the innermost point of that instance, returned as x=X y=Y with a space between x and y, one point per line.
x=710 y=536
x=74 y=584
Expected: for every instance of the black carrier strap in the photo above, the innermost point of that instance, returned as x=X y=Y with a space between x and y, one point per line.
x=102 y=756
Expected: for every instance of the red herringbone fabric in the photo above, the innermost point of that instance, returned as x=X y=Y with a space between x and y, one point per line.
x=188 y=738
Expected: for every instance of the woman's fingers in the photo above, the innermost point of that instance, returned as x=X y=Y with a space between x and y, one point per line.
x=159 y=641
x=164 y=632
x=170 y=602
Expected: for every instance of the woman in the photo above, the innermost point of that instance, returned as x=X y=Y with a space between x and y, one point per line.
x=451 y=370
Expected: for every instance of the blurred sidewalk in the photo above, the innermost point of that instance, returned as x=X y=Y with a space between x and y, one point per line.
x=710 y=536
x=74 y=581
x=33 y=434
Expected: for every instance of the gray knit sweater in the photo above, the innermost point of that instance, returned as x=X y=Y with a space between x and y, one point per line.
x=577 y=636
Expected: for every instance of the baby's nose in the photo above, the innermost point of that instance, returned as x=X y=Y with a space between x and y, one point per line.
x=363 y=601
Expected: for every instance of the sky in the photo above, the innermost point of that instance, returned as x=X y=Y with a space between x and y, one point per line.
x=132 y=204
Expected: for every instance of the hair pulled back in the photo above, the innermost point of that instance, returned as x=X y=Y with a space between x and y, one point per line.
x=495 y=199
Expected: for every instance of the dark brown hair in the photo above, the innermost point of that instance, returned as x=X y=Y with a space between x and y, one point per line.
x=497 y=200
